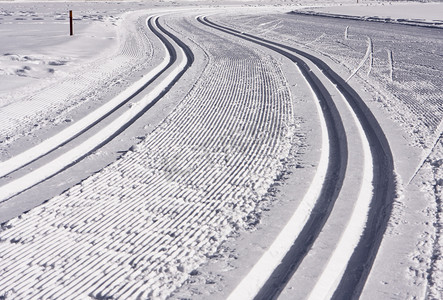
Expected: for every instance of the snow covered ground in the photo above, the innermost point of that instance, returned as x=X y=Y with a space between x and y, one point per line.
x=422 y=14
x=166 y=153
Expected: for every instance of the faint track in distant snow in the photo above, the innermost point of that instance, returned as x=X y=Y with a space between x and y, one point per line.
x=177 y=59
x=368 y=56
x=350 y=263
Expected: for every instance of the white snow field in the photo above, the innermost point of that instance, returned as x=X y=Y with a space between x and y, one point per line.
x=221 y=150
x=428 y=14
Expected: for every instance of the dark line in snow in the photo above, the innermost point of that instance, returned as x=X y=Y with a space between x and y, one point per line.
x=428 y=153
x=415 y=23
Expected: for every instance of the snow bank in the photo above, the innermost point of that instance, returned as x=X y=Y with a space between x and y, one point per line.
x=420 y=14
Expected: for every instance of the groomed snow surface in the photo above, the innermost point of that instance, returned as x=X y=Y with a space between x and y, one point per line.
x=242 y=146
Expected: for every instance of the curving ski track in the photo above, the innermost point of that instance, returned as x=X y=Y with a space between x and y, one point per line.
x=120 y=120
x=173 y=199
x=138 y=228
x=359 y=263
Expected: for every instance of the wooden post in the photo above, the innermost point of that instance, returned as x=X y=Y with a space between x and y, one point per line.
x=71 y=28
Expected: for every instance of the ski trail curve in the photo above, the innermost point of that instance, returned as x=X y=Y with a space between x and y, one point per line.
x=375 y=200
x=256 y=278
x=333 y=272
x=140 y=226
x=63 y=161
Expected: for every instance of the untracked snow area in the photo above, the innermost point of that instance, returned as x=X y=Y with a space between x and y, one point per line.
x=36 y=42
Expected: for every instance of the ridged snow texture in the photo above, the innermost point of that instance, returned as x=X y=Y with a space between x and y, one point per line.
x=142 y=224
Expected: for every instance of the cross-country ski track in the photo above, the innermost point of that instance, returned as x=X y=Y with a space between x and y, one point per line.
x=367 y=223
x=138 y=228
x=122 y=120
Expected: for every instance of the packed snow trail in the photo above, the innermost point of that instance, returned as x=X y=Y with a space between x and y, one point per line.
x=349 y=264
x=141 y=225
x=283 y=255
x=122 y=120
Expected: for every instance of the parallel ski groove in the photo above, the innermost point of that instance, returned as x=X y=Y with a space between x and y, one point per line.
x=360 y=261
x=120 y=122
